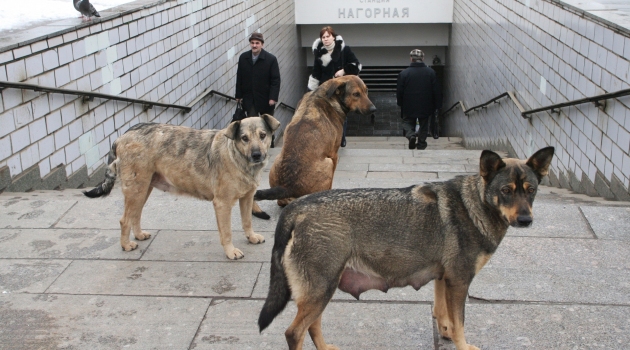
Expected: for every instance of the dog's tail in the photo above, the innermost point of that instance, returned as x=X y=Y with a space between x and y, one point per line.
x=279 y=291
x=105 y=187
x=268 y=194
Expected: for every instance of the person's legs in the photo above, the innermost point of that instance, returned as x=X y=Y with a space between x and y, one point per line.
x=343 y=136
x=423 y=132
x=251 y=111
x=409 y=128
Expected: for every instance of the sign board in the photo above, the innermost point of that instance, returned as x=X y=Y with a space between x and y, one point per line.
x=373 y=11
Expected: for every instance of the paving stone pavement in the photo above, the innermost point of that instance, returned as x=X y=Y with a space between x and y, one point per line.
x=66 y=284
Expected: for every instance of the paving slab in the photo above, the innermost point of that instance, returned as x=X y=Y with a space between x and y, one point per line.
x=162 y=211
x=457 y=168
x=368 y=160
x=504 y=326
x=556 y=270
x=374 y=152
x=65 y=244
x=552 y=219
x=31 y=212
x=341 y=166
x=435 y=160
x=171 y=245
x=348 y=325
x=40 y=321
x=29 y=276
x=157 y=278
x=607 y=222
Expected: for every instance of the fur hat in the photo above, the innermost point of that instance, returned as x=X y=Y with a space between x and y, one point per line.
x=257 y=36
x=417 y=54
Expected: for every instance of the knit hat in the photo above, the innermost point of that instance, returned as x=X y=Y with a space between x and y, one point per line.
x=417 y=54
x=257 y=36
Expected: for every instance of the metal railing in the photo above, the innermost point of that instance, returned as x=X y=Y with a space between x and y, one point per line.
x=554 y=108
x=595 y=99
x=89 y=96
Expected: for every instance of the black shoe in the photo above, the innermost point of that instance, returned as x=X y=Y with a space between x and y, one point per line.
x=412 y=141
x=343 y=143
x=421 y=146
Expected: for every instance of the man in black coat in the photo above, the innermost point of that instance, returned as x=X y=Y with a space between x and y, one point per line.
x=419 y=95
x=257 y=78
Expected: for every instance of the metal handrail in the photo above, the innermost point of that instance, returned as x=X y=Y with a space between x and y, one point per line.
x=554 y=108
x=594 y=99
x=282 y=104
x=483 y=105
x=89 y=96
x=228 y=97
x=458 y=103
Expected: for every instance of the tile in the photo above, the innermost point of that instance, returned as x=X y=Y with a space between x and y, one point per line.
x=346 y=325
x=556 y=270
x=19 y=211
x=505 y=326
x=65 y=244
x=170 y=245
x=150 y=278
x=609 y=223
x=28 y=276
x=99 y=322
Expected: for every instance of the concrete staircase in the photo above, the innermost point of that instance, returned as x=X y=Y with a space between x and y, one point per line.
x=65 y=283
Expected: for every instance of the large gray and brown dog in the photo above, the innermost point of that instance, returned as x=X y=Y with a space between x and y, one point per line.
x=308 y=159
x=361 y=239
x=222 y=166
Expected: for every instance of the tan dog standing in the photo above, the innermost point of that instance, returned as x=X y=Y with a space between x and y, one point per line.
x=309 y=157
x=221 y=166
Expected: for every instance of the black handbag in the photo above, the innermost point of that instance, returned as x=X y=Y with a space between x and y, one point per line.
x=435 y=125
x=239 y=113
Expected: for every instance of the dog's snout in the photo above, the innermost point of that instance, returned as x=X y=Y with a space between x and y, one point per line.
x=257 y=156
x=372 y=109
x=524 y=220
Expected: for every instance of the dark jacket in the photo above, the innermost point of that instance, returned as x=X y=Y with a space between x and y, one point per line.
x=418 y=92
x=258 y=83
x=326 y=65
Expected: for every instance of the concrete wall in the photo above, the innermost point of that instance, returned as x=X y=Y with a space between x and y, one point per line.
x=547 y=52
x=167 y=51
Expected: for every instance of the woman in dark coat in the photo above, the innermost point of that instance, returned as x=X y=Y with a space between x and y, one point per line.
x=333 y=59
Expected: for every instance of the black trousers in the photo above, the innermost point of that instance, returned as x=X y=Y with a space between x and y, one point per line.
x=409 y=126
x=253 y=112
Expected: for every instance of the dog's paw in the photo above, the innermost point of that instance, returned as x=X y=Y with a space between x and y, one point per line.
x=472 y=347
x=234 y=254
x=445 y=331
x=142 y=236
x=331 y=347
x=256 y=239
x=129 y=246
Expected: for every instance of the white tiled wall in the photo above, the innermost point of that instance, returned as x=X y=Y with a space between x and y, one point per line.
x=169 y=52
x=547 y=53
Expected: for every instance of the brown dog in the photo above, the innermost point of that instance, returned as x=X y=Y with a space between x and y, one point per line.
x=221 y=166
x=308 y=158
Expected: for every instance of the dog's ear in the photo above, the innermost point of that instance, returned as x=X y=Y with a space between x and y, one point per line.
x=232 y=130
x=336 y=86
x=489 y=164
x=540 y=161
x=272 y=123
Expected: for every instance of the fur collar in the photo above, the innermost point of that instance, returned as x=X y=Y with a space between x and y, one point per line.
x=318 y=45
x=322 y=54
